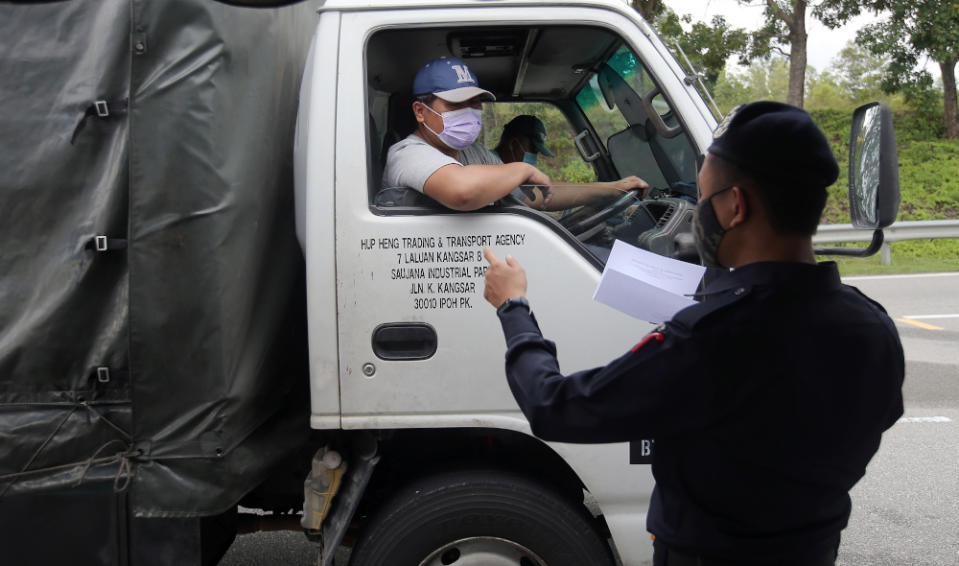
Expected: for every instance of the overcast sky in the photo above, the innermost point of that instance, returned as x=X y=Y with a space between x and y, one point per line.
x=823 y=45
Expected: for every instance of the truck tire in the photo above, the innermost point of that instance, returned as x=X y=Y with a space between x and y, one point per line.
x=472 y=518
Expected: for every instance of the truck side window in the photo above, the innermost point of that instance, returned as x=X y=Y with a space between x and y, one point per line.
x=605 y=121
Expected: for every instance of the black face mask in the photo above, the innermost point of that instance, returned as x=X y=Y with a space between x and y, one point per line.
x=708 y=231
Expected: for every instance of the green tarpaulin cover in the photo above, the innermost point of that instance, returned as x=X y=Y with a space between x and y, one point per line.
x=169 y=357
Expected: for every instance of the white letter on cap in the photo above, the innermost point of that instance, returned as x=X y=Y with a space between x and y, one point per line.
x=462 y=74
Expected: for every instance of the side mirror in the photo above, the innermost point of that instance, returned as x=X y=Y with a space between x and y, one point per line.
x=873 y=168
x=873 y=176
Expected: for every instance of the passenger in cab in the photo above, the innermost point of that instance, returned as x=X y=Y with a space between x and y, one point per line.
x=447 y=108
x=523 y=140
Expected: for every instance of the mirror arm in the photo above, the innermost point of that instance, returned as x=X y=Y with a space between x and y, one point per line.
x=877 y=239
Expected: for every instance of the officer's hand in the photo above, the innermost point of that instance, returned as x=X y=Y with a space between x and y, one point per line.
x=504 y=279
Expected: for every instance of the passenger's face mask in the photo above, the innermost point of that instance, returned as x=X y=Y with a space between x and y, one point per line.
x=708 y=231
x=460 y=127
x=528 y=156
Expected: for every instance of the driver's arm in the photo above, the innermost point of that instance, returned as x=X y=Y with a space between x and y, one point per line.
x=580 y=194
x=471 y=187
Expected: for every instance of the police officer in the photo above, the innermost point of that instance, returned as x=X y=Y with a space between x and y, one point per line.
x=768 y=398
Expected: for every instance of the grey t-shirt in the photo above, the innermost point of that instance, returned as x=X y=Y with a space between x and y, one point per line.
x=411 y=161
x=477 y=154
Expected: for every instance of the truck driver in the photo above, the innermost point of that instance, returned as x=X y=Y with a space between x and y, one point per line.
x=447 y=108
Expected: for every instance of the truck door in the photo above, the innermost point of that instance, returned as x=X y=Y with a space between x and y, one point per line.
x=418 y=343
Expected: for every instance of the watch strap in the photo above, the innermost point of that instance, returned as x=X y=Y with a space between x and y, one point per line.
x=511 y=303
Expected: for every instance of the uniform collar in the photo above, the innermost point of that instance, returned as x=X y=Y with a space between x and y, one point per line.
x=821 y=276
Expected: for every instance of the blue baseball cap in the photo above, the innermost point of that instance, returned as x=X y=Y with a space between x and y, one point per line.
x=450 y=79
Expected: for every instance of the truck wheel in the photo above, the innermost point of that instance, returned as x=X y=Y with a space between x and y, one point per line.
x=479 y=518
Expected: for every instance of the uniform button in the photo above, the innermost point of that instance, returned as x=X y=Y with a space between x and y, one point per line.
x=739 y=291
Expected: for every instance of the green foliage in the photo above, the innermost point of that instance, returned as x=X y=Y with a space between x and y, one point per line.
x=858 y=73
x=822 y=91
x=913 y=30
x=929 y=171
x=919 y=125
x=764 y=80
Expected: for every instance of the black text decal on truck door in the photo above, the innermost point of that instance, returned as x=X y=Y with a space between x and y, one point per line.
x=439 y=272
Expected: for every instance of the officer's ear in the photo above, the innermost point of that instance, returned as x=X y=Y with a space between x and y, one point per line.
x=739 y=206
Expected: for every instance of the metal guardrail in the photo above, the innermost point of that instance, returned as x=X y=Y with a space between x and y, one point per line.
x=897 y=232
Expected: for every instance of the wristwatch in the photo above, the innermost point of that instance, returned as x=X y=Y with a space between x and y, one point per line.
x=513 y=302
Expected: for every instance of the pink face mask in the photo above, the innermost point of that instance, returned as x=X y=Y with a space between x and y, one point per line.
x=460 y=127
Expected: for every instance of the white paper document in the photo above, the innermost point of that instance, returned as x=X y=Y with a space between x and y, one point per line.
x=646 y=285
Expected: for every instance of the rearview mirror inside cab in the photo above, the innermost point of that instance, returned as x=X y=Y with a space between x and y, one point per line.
x=873 y=168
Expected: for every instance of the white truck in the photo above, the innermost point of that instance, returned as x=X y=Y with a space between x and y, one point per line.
x=415 y=452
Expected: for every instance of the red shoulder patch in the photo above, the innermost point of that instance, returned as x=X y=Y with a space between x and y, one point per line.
x=657 y=336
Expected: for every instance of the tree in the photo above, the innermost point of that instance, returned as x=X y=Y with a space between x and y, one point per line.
x=859 y=72
x=708 y=46
x=823 y=91
x=913 y=30
x=649 y=9
x=764 y=80
x=786 y=25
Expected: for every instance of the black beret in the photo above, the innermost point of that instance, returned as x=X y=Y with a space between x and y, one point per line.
x=776 y=142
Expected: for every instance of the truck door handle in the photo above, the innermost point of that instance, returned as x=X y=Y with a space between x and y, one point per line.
x=404 y=341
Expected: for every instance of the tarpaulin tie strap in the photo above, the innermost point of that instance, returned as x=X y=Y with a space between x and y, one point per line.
x=100 y=109
x=123 y=472
x=103 y=243
x=107 y=421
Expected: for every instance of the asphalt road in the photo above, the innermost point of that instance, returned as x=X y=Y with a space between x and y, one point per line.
x=906 y=509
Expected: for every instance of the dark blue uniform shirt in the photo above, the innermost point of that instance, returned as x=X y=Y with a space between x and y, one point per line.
x=766 y=401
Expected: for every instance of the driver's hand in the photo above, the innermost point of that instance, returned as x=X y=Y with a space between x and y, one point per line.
x=536 y=177
x=547 y=193
x=504 y=279
x=632 y=183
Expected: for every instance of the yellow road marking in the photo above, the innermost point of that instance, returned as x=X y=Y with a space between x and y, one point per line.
x=919 y=324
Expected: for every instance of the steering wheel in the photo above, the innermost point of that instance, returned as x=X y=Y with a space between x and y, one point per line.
x=580 y=226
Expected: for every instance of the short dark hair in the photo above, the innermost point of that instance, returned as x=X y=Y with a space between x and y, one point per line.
x=792 y=209
x=426 y=99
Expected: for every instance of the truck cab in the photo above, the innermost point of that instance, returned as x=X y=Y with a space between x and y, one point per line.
x=402 y=343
